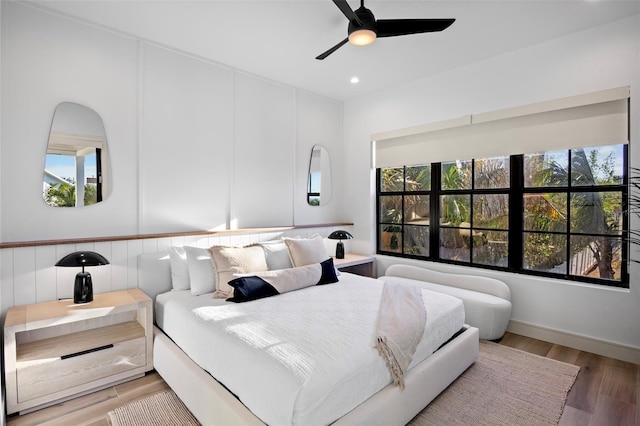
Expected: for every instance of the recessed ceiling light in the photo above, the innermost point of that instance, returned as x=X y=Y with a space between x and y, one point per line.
x=355 y=80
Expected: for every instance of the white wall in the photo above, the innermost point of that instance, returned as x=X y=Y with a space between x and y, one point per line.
x=600 y=58
x=316 y=126
x=46 y=61
x=264 y=153
x=185 y=148
x=194 y=145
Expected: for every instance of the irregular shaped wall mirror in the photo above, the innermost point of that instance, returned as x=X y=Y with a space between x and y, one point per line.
x=319 y=184
x=76 y=169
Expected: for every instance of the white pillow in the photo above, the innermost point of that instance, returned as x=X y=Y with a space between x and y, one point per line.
x=179 y=268
x=235 y=260
x=306 y=251
x=277 y=255
x=202 y=275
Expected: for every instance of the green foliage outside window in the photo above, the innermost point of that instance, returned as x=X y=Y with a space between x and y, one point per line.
x=634 y=208
x=593 y=214
x=64 y=194
x=572 y=217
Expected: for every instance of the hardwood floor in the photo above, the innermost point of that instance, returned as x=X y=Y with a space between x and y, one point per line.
x=606 y=392
x=92 y=409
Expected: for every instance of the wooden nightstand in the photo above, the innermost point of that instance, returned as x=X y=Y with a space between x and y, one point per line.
x=357 y=264
x=57 y=350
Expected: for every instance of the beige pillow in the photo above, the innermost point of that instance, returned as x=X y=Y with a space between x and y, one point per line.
x=235 y=260
x=305 y=252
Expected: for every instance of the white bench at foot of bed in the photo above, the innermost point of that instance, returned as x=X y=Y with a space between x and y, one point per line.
x=487 y=301
x=212 y=404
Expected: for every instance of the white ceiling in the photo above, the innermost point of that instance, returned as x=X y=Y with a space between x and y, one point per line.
x=279 y=40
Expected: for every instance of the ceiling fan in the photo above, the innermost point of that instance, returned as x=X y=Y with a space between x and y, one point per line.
x=364 y=28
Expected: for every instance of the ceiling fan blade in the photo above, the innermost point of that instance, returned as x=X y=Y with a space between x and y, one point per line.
x=398 y=27
x=333 y=49
x=347 y=11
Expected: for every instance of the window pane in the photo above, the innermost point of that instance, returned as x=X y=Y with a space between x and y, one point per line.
x=545 y=252
x=549 y=168
x=391 y=179
x=600 y=165
x=492 y=248
x=545 y=212
x=391 y=209
x=452 y=246
x=491 y=173
x=391 y=238
x=418 y=178
x=416 y=240
x=454 y=209
x=479 y=237
x=417 y=209
x=596 y=257
x=456 y=175
x=596 y=212
x=491 y=211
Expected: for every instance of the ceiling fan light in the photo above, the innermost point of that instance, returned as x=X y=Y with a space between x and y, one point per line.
x=362 y=37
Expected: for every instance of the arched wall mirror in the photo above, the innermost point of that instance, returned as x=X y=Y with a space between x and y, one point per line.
x=76 y=169
x=319 y=183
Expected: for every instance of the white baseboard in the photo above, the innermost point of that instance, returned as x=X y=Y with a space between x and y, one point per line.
x=576 y=341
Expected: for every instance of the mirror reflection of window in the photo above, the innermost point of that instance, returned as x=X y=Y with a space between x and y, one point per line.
x=319 y=179
x=76 y=166
x=315 y=178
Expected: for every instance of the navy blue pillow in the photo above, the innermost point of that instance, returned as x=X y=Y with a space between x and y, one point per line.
x=328 y=272
x=250 y=288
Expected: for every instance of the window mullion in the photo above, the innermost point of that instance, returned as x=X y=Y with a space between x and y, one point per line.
x=403 y=206
x=626 y=230
x=471 y=198
x=434 y=211
x=516 y=212
x=569 y=218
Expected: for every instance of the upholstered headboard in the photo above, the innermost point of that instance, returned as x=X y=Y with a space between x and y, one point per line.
x=154 y=273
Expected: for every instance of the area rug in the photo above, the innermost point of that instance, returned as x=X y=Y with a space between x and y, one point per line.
x=163 y=408
x=505 y=386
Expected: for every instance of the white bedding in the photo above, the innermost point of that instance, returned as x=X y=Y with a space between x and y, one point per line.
x=306 y=357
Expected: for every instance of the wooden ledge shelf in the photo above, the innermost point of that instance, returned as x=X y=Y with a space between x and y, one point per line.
x=17 y=244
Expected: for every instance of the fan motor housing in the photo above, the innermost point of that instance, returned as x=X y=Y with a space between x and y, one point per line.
x=366 y=17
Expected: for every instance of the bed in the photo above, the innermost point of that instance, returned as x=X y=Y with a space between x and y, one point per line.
x=277 y=376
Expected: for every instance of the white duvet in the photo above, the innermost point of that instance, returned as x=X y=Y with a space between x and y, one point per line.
x=306 y=357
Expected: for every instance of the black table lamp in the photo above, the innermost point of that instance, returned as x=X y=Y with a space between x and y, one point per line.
x=340 y=235
x=83 y=287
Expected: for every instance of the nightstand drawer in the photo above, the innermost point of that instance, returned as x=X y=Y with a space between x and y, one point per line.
x=46 y=376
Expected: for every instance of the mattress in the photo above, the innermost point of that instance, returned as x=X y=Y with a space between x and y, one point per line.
x=304 y=357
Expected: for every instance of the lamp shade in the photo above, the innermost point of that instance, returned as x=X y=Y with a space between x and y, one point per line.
x=83 y=286
x=82 y=258
x=340 y=235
